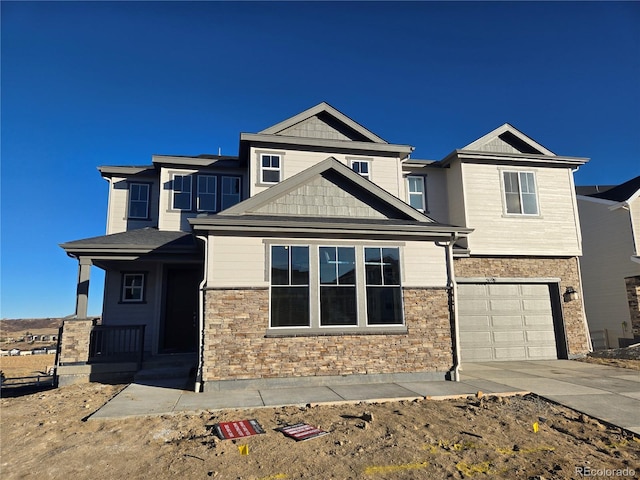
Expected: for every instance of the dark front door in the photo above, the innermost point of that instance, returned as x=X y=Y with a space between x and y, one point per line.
x=180 y=332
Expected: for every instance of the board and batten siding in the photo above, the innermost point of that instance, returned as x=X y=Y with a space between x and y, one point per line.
x=115 y=312
x=118 y=210
x=606 y=261
x=384 y=171
x=555 y=231
x=236 y=262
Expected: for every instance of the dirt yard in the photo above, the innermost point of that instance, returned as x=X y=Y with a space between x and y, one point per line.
x=46 y=435
x=27 y=365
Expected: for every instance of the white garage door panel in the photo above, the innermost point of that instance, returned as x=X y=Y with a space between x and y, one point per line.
x=505 y=322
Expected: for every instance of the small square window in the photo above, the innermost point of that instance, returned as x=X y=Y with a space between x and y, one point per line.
x=133 y=287
x=270 y=168
x=361 y=167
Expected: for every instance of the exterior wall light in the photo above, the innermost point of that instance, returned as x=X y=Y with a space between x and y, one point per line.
x=570 y=294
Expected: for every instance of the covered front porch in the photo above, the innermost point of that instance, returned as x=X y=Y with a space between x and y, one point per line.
x=151 y=306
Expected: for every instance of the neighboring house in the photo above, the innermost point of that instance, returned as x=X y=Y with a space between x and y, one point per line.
x=323 y=251
x=610 y=220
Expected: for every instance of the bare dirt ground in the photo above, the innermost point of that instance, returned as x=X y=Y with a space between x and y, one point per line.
x=25 y=366
x=47 y=435
x=628 y=357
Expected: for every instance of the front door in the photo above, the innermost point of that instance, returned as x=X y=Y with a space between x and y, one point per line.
x=180 y=332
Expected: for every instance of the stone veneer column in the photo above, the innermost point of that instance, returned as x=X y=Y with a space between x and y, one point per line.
x=633 y=297
x=74 y=347
x=236 y=346
x=537 y=267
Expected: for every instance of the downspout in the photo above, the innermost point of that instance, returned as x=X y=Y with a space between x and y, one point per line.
x=453 y=288
x=198 y=383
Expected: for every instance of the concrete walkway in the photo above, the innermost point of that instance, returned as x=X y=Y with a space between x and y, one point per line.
x=607 y=393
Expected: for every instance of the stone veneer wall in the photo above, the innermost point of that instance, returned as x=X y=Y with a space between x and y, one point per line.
x=235 y=345
x=542 y=267
x=633 y=297
x=74 y=346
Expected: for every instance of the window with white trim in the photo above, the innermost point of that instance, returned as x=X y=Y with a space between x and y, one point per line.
x=417 y=192
x=289 y=286
x=520 y=193
x=133 y=287
x=338 y=303
x=384 y=293
x=138 y=200
x=181 y=192
x=230 y=192
x=361 y=167
x=270 y=168
x=206 y=198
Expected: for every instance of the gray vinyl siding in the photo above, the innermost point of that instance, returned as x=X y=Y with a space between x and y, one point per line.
x=115 y=312
x=606 y=261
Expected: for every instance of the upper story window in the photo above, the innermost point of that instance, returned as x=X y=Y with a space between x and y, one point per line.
x=138 y=200
x=230 y=192
x=520 y=193
x=182 y=192
x=361 y=167
x=270 y=168
x=206 y=198
x=133 y=287
x=417 y=192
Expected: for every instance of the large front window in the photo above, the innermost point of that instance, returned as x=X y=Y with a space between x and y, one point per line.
x=384 y=294
x=338 y=288
x=520 y=193
x=289 y=286
x=338 y=304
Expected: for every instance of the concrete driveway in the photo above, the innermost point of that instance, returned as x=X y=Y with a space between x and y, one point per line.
x=608 y=393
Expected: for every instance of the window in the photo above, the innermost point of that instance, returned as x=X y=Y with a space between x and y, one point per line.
x=270 y=168
x=520 y=193
x=133 y=287
x=207 y=193
x=139 y=200
x=289 y=286
x=182 y=192
x=417 y=196
x=361 y=167
x=384 y=294
x=338 y=304
x=230 y=191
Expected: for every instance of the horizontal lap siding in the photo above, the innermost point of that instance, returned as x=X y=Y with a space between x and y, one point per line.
x=236 y=261
x=236 y=346
x=553 y=232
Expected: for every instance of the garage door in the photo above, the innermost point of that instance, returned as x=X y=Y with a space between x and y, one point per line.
x=505 y=322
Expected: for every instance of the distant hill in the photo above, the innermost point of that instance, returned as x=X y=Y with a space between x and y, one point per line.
x=22 y=325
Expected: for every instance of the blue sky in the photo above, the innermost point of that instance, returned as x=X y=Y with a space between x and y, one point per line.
x=85 y=84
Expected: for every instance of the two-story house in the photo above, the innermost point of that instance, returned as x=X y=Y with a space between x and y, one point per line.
x=610 y=221
x=324 y=252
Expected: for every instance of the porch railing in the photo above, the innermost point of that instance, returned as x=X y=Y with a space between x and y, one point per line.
x=108 y=344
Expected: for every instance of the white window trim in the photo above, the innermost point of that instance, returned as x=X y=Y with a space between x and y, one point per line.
x=270 y=169
x=139 y=184
x=365 y=161
x=173 y=191
x=423 y=179
x=506 y=213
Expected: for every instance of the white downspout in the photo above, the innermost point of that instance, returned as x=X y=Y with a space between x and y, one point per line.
x=203 y=284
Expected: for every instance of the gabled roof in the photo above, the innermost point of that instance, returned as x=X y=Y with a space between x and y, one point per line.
x=327 y=113
x=507 y=139
x=624 y=192
x=398 y=208
x=376 y=213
